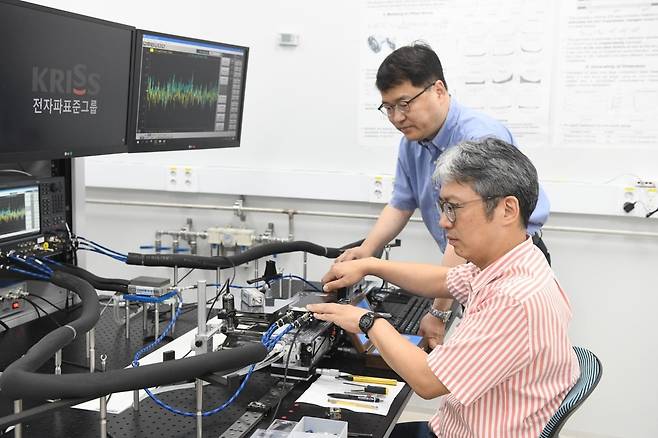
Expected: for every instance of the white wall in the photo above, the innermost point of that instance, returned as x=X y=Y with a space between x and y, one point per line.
x=300 y=113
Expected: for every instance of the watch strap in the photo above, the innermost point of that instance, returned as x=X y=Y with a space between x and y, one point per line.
x=441 y=315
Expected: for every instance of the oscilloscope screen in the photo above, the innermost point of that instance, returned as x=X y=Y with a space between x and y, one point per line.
x=189 y=93
x=19 y=211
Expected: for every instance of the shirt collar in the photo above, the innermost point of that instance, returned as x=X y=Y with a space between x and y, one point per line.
x=496 y=270
x=442 y=138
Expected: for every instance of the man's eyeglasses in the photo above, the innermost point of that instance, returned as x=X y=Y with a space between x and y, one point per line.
x=402 y=106
x=450 y=208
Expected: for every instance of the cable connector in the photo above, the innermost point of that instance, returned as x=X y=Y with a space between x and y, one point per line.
x=629 y=206
x=285 y=319
x=302 y=320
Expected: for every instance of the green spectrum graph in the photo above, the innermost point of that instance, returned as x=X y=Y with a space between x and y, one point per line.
x=7 y=215
x=175 y=93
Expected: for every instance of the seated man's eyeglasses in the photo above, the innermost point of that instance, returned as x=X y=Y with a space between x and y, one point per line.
x=450 y=208
x=402 y=106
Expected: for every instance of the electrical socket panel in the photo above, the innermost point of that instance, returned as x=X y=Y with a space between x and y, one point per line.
x=644 y=194
x=182 y=179
x=380 y=189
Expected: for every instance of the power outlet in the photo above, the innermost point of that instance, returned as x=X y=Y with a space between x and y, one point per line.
x=182 y=179
x=643 y=194
x=380 y=189
x=645 y=184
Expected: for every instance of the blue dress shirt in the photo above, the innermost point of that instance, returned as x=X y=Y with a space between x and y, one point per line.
x=413 y=187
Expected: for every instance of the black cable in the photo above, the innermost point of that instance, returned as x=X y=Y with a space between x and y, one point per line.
x=36 y=306
x=48 y=301
x=226 y=286
x=36 y=309
x=185 y=276
x=234 y=271
x=223 y=262
x=285 y=374
x=651 y=213
x=37 y=411
x=2 y=323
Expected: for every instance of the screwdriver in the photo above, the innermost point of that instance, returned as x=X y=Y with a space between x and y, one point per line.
x=362 y=379
x=372 y=389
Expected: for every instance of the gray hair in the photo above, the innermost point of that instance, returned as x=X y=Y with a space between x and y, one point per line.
x=493 y=169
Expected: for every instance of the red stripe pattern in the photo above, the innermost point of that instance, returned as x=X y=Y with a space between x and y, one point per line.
x=509 y=363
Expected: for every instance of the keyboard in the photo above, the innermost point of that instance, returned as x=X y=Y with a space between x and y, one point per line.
x=406 y=311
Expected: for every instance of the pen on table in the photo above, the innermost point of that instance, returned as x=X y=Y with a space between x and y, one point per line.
x=354 y=404
x=363 y=398
x=358 y=435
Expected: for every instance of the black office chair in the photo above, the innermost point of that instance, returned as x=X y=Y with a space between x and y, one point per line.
x=590 y=374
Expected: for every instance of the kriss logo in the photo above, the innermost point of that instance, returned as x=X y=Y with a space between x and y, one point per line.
x=76 y=81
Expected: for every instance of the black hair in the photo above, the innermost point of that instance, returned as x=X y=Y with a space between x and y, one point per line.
x=417 y=63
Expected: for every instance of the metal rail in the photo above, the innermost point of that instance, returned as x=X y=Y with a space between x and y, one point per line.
x=292 y=212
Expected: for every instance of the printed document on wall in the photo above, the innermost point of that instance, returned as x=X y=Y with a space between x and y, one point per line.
x=496 y=57
x=607 y=74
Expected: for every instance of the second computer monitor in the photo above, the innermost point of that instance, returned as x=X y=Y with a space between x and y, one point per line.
x=188 y=93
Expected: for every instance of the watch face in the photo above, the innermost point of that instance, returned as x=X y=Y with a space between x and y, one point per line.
x=366 y=322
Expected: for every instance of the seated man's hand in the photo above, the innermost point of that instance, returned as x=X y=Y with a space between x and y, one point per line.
x=343 y=315
x=352 y=254
x=344 y=274
x=433 y=330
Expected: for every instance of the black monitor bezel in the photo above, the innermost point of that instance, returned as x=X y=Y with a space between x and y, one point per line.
x=178 y=144
x=52 y=152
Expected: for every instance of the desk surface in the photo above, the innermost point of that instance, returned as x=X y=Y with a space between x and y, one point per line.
x=151 y=420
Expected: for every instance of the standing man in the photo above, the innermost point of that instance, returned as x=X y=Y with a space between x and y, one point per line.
x=509 y=363
x=416 y=101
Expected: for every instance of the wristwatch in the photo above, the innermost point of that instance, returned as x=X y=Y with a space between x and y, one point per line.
x=366 y=321
x=441 y=315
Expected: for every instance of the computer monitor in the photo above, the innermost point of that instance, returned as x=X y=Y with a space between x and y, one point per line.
x=64 y=83
x=187 y=93
x=19 y=211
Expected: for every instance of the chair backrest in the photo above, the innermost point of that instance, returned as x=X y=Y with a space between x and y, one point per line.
x=590 y=374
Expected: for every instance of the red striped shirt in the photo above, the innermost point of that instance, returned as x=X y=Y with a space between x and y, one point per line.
x=509 y=363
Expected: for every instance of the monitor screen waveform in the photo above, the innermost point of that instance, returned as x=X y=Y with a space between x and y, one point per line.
x=19 y=211
x=174 y=94
x=190 y=93
x=12 y=214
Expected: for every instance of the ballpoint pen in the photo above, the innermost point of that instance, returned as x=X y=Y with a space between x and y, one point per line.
x=354 y=404
x=363 y=398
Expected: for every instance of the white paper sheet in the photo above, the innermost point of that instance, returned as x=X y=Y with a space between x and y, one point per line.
x=316 y=394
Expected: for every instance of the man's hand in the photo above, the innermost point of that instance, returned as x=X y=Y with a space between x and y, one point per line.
x=344 y=274
x=343 y=315
x=433 y=330
x=353 y=254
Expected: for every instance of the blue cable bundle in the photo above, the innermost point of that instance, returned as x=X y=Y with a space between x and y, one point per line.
x=90 y=245
x=267 y=340
x=39 y=270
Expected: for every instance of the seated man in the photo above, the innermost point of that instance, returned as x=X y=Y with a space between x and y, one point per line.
x=509 y=363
